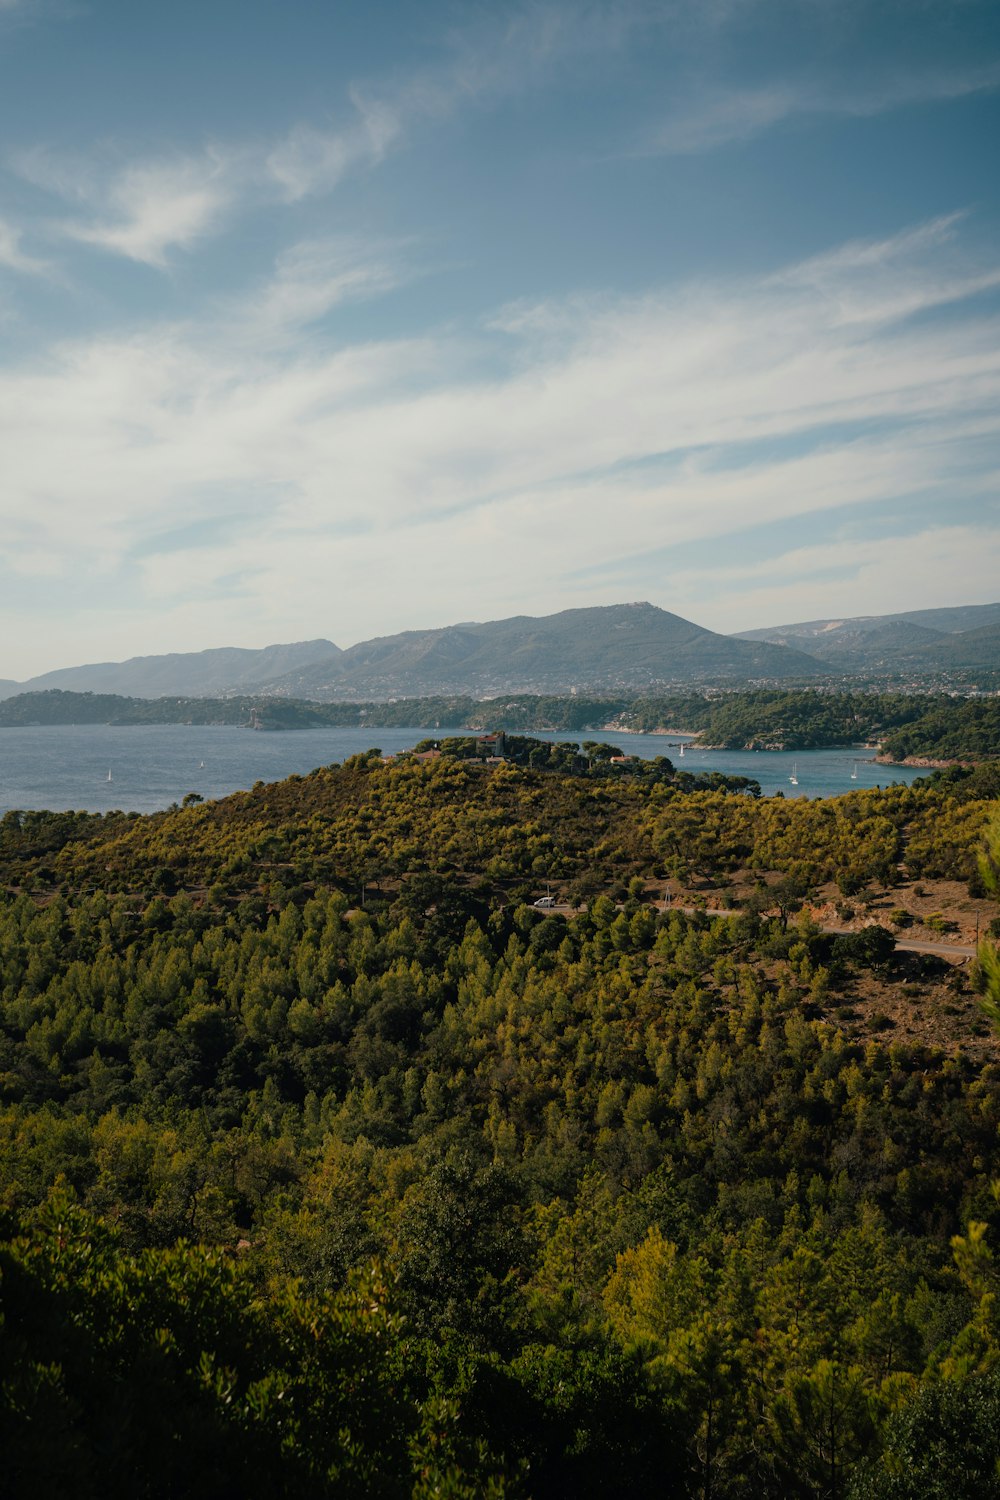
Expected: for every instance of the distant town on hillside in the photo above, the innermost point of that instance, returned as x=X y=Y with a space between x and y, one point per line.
x=614 y=649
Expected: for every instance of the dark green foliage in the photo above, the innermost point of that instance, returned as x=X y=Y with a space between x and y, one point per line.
x=948 y=730
x=55 y=706
x=945 y=1445
x=164 y=1375
x=935 y=726
x=873 y=947
x=461 y=1248
x=489 y=1199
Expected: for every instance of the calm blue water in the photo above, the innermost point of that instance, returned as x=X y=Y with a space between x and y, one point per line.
x=66 y=766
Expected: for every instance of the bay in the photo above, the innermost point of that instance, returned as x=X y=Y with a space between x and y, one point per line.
x=66 y=766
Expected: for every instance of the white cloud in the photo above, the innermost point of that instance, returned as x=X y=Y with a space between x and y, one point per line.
x=310 y=160
x=935 y=566
x=315 y=276
x=393 y=483
x=13 y=258
x=894 y=278
x=156 y=207
x=501 y=55
x=717 y=116
x=148 y=208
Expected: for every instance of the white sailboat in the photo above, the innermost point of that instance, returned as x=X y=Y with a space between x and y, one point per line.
x=109 y=775
x=682 y=752
x=794 y=778
x=854 y=772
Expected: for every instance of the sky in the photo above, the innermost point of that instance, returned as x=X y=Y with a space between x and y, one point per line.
x=347 y=318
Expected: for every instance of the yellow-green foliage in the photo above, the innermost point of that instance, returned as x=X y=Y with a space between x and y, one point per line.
x=642 y=1218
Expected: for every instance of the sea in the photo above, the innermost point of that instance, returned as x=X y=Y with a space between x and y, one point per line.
x=143 y=768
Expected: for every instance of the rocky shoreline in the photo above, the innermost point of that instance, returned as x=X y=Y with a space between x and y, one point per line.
x=921 y=761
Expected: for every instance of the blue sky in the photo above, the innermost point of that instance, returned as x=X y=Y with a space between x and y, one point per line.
x=350 y=318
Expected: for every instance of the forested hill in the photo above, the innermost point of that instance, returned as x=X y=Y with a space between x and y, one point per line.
x=330 y=1165
x=620 y=647
x=921 y=640
x=561 y=817
x=936 y=727
x=59 y=706
x=614 y=648
x=948 y=731
x=221 y=669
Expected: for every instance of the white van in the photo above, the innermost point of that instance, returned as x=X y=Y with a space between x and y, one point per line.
x=545 y=901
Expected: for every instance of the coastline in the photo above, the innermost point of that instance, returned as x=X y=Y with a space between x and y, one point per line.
x=923 y=762
x=624 y=729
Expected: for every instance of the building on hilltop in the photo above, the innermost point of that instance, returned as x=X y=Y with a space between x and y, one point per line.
x=492 y=746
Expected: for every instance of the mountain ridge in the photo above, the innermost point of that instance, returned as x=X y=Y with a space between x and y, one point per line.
x=949 y=620
x=217 y=669
x=606 y=649
x=609 y=646
x=921 y=639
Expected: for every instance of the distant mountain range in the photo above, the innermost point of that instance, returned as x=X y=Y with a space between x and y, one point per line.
x=612 y=649
x=198 y=674
x=922 y=640
x=621 y=646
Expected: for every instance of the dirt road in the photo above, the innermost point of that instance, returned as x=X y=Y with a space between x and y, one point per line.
x=954 y=952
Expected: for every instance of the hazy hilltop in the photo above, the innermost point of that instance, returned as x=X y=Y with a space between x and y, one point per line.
x=608 y=650
x=947 y=621
x=959 y=617
x=968 y=648
x=922 y=639
x=612 y=647
x=224 y=669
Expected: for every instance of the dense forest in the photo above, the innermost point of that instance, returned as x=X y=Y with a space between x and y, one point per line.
x=332 y=1165
x=949 y=731
x=933 y=727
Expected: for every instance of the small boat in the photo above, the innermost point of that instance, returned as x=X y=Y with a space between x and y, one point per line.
x=201 y=765
x=109 y=776
x=794 y=778
x=854 y=772
x=682 y=752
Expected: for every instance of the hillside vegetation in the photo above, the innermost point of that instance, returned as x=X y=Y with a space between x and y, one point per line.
x=937 y=727
x=331 y=1166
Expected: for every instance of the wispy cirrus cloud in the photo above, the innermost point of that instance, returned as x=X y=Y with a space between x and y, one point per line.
x=315 y=276
x=394 y=474
x=152 y=208
x=716 y=116
x=891 y=571
x=141 y=210
x=14 y=258
x=148 y=208
x=862 y=281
